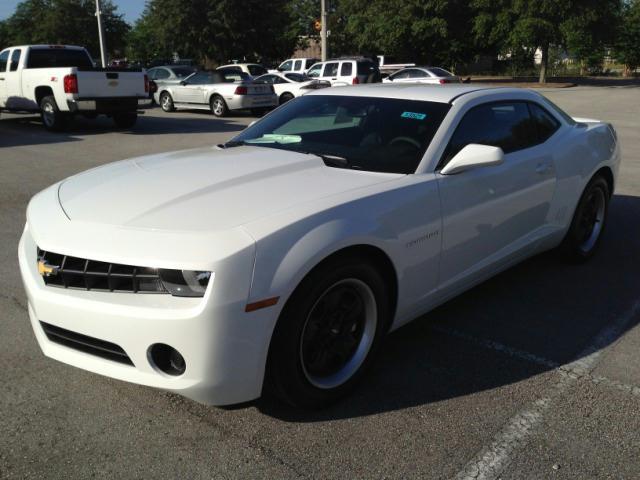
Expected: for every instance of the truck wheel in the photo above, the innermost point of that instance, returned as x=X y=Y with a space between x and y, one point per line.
x=166 y=102
x=54 y=120
x=125 y=120
x=218 y=106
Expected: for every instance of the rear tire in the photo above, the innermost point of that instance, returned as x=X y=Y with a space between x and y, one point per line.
x=218 y=106
x=125 y=120
x=53 y=119
x=166 y=102
x=588 y=223
x=328 y=333
x=285 y=97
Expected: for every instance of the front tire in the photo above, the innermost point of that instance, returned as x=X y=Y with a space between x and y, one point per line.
x=328 y=333
x=125 y=120
x=219 y=106
x=588 y=223
x=53 y=119
x=285 y=97
x=166 y=102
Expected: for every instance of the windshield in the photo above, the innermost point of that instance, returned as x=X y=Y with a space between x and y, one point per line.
x=365 y=133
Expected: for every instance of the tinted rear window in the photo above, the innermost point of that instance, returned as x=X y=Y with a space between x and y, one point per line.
x=256 y=70
x=366 y=68
x=58 y=57
x=183 y=72
x=439 y=72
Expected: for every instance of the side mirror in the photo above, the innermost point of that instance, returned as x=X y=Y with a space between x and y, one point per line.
x=473 y=156
x=183 y=83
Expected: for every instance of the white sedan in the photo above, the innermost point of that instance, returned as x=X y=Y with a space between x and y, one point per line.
x=430 y=75
x=284 y=256
x=290 y=85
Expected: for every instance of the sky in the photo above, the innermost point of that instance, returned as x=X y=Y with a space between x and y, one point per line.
x=130 y=8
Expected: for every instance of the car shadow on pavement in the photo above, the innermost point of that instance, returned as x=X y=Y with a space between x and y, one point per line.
x=544 y=310
x=28 y=130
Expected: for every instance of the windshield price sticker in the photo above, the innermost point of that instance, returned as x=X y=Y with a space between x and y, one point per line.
x=414 y=116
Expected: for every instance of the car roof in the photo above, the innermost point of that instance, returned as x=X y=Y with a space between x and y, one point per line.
x=415 y=91
x=52 y=46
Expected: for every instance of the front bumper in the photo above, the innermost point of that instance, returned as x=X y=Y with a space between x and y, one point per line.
x=224 y=348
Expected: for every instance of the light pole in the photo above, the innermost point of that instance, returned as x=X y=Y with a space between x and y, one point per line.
x=323 y=29
x=103 y=47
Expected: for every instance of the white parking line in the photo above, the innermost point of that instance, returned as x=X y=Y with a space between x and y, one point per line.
x=491 y=460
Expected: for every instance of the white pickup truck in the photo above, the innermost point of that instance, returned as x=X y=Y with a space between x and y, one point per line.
x=388 y=64
x=60 y=81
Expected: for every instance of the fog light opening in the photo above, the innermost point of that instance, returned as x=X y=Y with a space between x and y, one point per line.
x=167 y=359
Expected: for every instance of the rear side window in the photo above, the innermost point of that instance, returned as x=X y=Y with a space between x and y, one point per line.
x=309 y=62
x=15 y=60
x=58 y=57
x=161 y=74
x=298 y=65
x=439 y=72
x=545 y=123
x=4 y=59
x=346 y=70
x=256 y=70
x=330 y=70
x=507 y=125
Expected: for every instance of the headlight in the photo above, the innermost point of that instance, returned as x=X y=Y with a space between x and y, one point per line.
x=185 y=283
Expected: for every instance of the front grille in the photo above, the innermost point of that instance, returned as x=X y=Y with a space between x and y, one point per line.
x=84 y=274
x=94 y=346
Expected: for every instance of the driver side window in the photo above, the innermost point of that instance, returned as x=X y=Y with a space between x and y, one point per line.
x=315 y=70
x=507 y=125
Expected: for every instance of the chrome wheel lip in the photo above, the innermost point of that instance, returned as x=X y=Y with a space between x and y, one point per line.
x=596 y=229
x=347 y=371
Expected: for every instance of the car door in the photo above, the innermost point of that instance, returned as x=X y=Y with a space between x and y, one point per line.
x=330 y=72
x=190 y=90
x=494 y=214
x=4 y=64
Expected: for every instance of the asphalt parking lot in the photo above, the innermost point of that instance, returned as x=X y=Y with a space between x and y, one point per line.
x=534 y=374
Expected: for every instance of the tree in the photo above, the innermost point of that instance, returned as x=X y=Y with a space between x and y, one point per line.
x=591 y=29
x=4 y=35
x=425 y=31
x=627 y=48
x=66 y=22
x=216 y=31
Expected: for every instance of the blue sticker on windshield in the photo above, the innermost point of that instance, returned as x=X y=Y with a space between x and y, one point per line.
x=414 y=116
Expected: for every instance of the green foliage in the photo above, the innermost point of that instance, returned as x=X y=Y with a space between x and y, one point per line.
x=627 y=48
x=424 y=31
x=66 y=22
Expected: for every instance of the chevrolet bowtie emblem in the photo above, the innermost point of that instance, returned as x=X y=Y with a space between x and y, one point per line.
x=45 y=269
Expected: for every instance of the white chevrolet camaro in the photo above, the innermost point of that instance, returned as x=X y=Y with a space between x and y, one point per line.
x=280 y=259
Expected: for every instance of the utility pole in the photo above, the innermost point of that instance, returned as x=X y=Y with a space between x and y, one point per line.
x=103 y=47
x=323 y=29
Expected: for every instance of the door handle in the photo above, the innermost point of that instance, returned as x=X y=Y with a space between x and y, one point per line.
x=543 y=168
x=1 y=78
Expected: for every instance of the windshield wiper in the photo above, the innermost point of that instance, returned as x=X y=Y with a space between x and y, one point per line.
x=333 y=160
x=232 y=143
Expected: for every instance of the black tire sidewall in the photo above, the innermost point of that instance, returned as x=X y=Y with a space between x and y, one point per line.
x=285 y=97
x=570 y=247
x=285 y=374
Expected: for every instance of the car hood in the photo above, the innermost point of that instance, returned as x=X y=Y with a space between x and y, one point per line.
x=204 y=189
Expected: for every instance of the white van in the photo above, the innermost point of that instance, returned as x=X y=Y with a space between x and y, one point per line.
x=346 y=71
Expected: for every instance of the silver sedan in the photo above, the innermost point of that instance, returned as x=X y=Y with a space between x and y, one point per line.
x=217 y=91
x=431 y=75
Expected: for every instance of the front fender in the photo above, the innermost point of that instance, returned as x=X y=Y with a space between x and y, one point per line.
x=284 y=258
